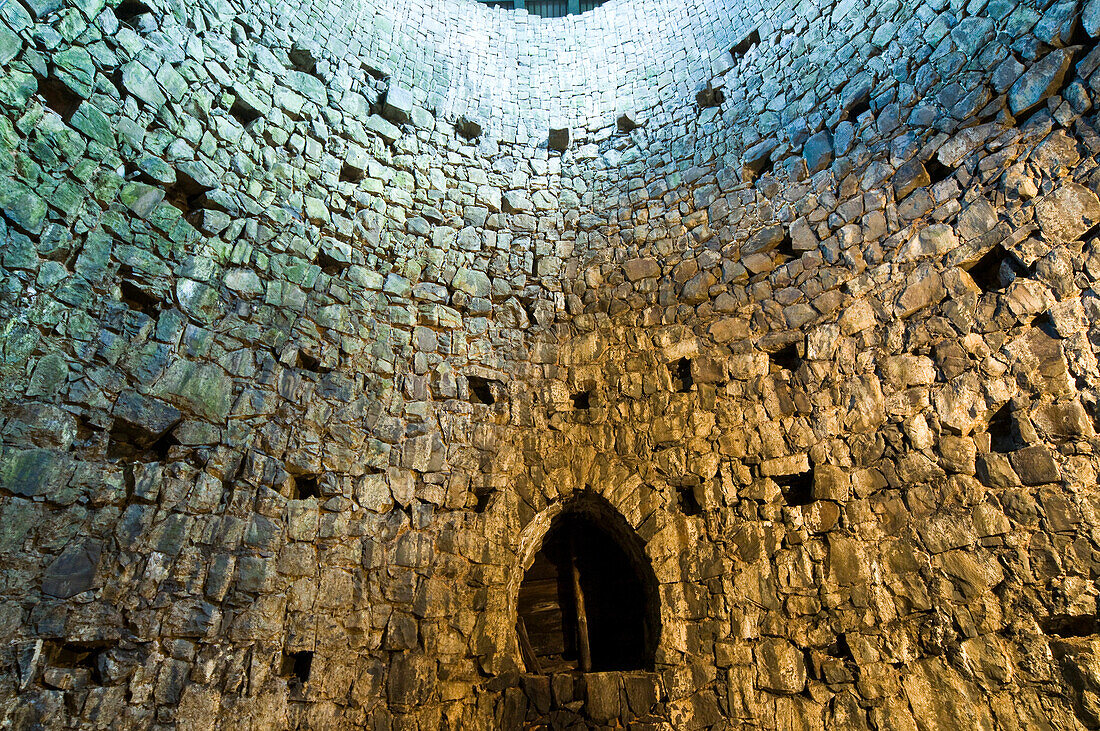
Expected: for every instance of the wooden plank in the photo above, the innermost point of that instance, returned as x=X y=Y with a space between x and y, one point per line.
x=582 y=616
x=530 y=659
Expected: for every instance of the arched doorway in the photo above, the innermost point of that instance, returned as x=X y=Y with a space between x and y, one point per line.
x=589 y=600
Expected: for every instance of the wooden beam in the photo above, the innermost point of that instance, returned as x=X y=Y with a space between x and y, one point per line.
x=530 y=659
x=582 y=617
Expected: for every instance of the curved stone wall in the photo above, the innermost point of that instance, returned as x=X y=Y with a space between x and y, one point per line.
x=289 y=361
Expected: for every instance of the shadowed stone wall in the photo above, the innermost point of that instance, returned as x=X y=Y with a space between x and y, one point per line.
x=310 y=327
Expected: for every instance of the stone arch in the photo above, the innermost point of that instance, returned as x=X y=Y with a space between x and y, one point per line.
x=606 y=545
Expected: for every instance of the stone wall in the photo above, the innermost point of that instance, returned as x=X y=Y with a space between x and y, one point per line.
x=296 y=300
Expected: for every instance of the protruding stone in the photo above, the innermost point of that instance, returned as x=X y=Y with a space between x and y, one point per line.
x=398 y=105
x=1067 y=212
x=818 y=152
x=780 y=667
x=1040 y=81
x=909 y=177
x=73 y=571
x=1090 y=17
x=304 y=55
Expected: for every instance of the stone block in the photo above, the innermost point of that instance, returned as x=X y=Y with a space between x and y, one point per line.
x=1039 y=82
x=1035 y=465
x=399 y=104
x=780 y=667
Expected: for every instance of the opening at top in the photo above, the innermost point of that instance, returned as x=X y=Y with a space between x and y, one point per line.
x=547 y=8
x=589 y=601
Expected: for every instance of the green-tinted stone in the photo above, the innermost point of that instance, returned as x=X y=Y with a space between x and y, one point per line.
x=67 y=198
x=10 y=44
x=42 y=8
x=140 y=198
x=50 y=274
x=204 y=390
x=50 y=374
x=16 y=519
x=171 y=82
x=93 y=123
x=199 y=300
x=140 y=82
x=76 y=69
x=22 y=206
x=31 y=472
x=16 y=87
x=18 y=252
x=94 y=255
x=308 y=86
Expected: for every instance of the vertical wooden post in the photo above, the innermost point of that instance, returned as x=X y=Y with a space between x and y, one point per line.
x=530 y=659
x=582 y=616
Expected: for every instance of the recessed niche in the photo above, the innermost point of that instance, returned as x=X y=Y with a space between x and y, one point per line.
x=687 y=502
x=467 y=128
x=937 y=171
x=1071 y=625
x=589 y=600
x=296 y=666
x=680 y=371
x=1004 y=435
x=745 y=45
x=859 y=107
x=78 y=656
x=303 y=487
x=840 y=649
x=351 y=174
x=785 y=359
x=306 y=362
x=59 y=97
x=482 y=496
x=129 y=11
x=484 y=390
x=797 y=489
x=581 y=400
x=626 y=123
x=708 y=97
x=304 y=57
x=785 y=248
x=329 y=265
x=187 y=194
x=128 y=444
x=1045 y=323
x=244 y=113
x=134 y=297
x=995 y=270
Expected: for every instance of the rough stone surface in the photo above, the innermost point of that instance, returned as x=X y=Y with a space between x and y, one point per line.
x=312 y=320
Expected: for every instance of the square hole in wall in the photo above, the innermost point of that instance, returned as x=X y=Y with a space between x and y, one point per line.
x=996 y=269
x=483 y=390
x=785 y=359
x=1004 y=435
x=581 y=400
x=687 y=501
x=296 y=667
x=303 y=487
x=682 y=380
x=745 y=45
x=797 y=489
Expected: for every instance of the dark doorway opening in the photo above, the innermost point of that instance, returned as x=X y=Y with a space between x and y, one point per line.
x=590 y=583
